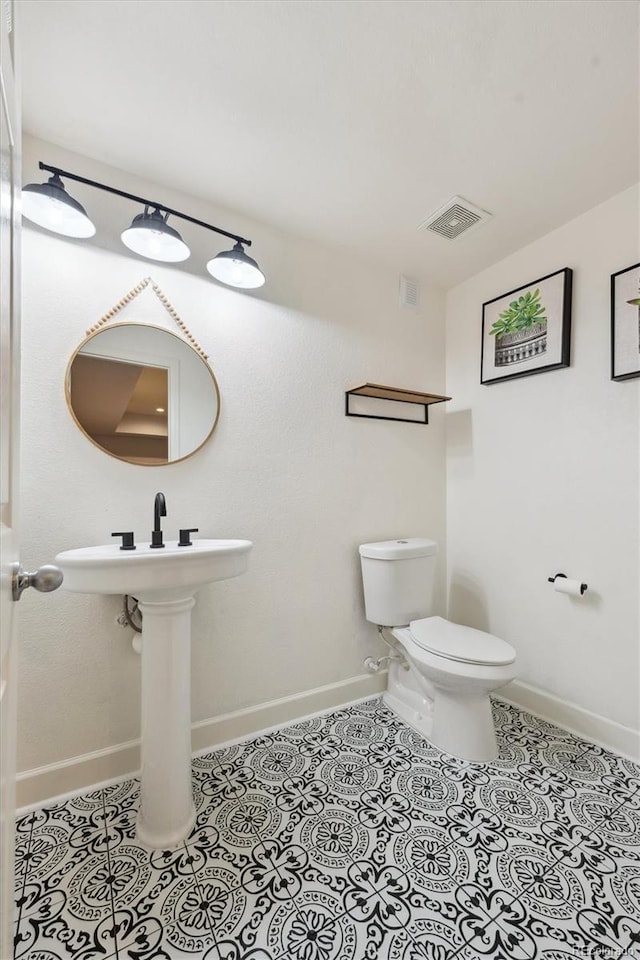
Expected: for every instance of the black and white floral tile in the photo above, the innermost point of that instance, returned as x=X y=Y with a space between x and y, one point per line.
x=349 y=837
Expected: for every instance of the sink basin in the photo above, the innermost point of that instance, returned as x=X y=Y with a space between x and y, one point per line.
x=153 y=574
x=164 y=580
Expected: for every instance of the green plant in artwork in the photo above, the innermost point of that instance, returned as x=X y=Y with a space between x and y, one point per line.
x=521 y=314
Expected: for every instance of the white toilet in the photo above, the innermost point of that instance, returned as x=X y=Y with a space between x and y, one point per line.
x=440 y=684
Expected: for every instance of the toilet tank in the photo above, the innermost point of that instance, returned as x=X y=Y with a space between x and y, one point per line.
x=398 y=578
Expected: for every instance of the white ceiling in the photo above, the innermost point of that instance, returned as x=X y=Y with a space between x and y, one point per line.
x=350 y=121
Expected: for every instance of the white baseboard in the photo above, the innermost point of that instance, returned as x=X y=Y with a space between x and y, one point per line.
x=67 y=777
x=614 y=736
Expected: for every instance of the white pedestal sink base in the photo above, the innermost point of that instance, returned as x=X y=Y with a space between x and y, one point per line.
x=164 y=581
x=166 y=812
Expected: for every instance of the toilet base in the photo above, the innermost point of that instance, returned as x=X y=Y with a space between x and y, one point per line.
x=416 y=713
x=463 y=727
x=460 y=724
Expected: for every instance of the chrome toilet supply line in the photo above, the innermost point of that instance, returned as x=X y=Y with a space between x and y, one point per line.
x=373 y=665
x=404 y=660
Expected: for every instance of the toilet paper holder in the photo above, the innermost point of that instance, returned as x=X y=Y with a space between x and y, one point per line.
x=583 y=586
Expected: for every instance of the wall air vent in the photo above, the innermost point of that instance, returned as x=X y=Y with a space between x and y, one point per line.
x=456 y=217
x=409 y=292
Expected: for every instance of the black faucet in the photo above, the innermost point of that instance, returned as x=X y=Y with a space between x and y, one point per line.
x=159 y=510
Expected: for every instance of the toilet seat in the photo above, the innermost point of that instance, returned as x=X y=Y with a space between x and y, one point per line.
x=453 y=641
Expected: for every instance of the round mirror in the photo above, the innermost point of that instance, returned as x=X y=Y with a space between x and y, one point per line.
x=142 y=394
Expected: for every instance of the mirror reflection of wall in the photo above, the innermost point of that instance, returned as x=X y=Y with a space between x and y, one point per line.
x=123 y=407
x=142 y=394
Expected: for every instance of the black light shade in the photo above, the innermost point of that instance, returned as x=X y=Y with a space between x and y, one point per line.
x=236 y=269
x=151 y=236
x=50 y=206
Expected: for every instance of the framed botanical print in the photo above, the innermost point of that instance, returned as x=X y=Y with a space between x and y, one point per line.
x=527 y=330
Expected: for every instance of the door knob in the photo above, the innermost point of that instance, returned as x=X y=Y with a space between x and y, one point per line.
x=45 y=579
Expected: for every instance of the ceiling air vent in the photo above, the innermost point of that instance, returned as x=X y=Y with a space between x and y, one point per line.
x=409 y=292
x=456 y=217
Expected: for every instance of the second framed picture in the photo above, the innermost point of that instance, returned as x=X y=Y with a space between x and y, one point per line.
x=527 y=330
x=625 y=323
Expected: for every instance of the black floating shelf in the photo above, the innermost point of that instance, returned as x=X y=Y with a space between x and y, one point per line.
x=396 y=394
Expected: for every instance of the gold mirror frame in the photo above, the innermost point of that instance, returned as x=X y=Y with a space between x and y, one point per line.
x=188 y=341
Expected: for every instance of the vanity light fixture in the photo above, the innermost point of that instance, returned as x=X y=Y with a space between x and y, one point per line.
x=151 y=236
x=50 y=206
x=236 y=268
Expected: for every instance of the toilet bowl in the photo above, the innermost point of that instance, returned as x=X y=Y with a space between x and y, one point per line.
x=444 y=697
x=440 y=682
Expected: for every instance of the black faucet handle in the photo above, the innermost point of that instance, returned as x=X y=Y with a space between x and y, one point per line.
x=127 y=540
x=185 y=539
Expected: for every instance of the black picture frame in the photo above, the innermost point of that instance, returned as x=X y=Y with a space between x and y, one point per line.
x=542 y=347
x=625 y=324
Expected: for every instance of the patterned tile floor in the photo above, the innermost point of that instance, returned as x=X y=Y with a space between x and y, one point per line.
x=348 y=837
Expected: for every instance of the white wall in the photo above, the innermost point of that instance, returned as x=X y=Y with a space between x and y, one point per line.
x=284 y=468
x=542 y=477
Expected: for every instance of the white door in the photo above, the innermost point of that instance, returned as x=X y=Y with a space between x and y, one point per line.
x=9 y=424
x=12 y=578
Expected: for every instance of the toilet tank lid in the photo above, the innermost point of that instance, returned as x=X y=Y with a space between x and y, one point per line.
x=399 y=549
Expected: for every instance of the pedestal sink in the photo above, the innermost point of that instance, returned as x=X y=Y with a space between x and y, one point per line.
x=165 y=582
